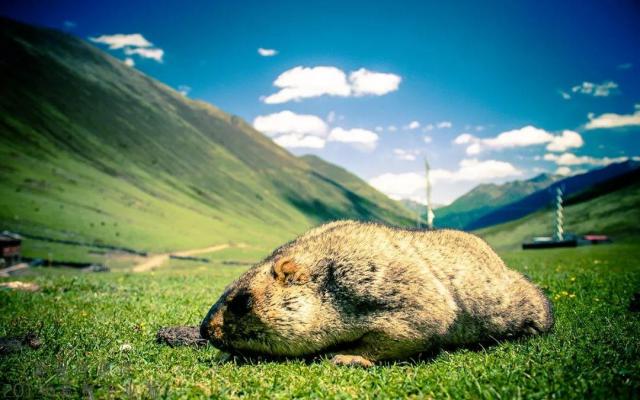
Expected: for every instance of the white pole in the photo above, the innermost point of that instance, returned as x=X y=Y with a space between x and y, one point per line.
x=430 y=214
x=559 y=216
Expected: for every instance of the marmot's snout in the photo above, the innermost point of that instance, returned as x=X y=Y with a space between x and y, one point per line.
x=211 y=327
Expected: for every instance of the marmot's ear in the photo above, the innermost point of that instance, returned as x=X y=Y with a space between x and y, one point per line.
x=285 y=269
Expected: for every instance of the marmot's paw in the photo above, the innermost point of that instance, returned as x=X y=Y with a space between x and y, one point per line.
x=351 y=361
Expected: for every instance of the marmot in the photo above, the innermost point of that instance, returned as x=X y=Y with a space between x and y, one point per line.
x=369 y=292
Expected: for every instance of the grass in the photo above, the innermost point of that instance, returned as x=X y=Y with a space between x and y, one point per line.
x=593 y=352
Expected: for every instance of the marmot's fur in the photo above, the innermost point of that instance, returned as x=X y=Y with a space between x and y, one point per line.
x=375 y=292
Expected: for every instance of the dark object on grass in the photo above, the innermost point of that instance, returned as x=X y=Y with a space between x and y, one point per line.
x=181 y=336
x=95 y=268
x=189 y=258
x=634 y=305
x=549 y=244
x=12 y=344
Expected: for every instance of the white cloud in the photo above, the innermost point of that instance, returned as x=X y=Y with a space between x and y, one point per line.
x=267 y=52
x=526 y=136
x=131 y=44
x=406 y=155
x=408 y=184
x=184 y=90
x=152 y=53
x=331 y=117
x=362 y=137
x=439 y=125
x=399 y=186
x=568 y=139
x=464 y=138
x=564 y=95
x=295 y=141
x=625 y=66
x=603 y=89
x=523 y=137
x=301 y=82
x=120 y=40
x=306 y=82
x=564 y=171
x=475 y=170
x=428 y=127
x=287 y=122
x=427 y=139
x=412 y=125
x=129 y=62
x=572 y=159
x=365 y=82
x=379 y=129
x=392 y=128
x=612 y=120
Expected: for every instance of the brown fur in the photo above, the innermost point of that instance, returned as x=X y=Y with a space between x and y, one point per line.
x=376 y=292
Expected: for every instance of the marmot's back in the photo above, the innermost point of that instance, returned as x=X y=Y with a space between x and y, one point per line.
x=476 y=278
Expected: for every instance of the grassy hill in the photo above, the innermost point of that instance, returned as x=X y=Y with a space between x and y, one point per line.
x=486 y=198
x=93 y=150
x=615 y=213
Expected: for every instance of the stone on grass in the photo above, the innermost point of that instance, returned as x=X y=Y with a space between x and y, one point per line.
x=180 y=336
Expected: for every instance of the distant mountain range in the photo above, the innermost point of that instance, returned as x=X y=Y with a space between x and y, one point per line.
x=545 y=197
x=95 y=150
x=486 y=198
x=611 y=208
x=491 y=204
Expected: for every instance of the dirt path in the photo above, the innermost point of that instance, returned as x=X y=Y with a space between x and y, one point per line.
x=157 y=260
x=195 y=252
x=151 y=262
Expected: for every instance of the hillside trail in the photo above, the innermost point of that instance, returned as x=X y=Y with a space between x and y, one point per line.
x=157 y=260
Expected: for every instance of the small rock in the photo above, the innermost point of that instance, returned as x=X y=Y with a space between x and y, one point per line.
x=180 y=336
x=126 y=347
x=12 y=344
x=32 y=340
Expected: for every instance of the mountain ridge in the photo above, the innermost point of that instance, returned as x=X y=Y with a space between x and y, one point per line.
x=611 y=208
x=91 y=148
x=542 y=198
x=485 y=198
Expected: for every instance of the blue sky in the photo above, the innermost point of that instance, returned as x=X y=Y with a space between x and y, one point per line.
x=498 y=90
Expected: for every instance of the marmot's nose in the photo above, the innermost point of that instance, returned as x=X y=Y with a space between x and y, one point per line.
x=211 y=327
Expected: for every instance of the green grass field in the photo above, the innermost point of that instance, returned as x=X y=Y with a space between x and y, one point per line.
x=83 y=319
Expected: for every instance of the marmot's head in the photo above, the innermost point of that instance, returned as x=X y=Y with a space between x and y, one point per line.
x=278 y=307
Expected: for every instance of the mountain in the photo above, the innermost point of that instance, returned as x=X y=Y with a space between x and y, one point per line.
x=364 y=199
x=485 y=198
x=542 y=198
x=93 y=150
x=611 y=208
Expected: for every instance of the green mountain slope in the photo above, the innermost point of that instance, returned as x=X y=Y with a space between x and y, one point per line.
x=366 y=199
x=485 y=198
x=93 y=150
x=614 y=213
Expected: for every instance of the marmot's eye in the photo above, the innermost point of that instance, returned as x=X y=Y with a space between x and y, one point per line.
x=241 y=303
